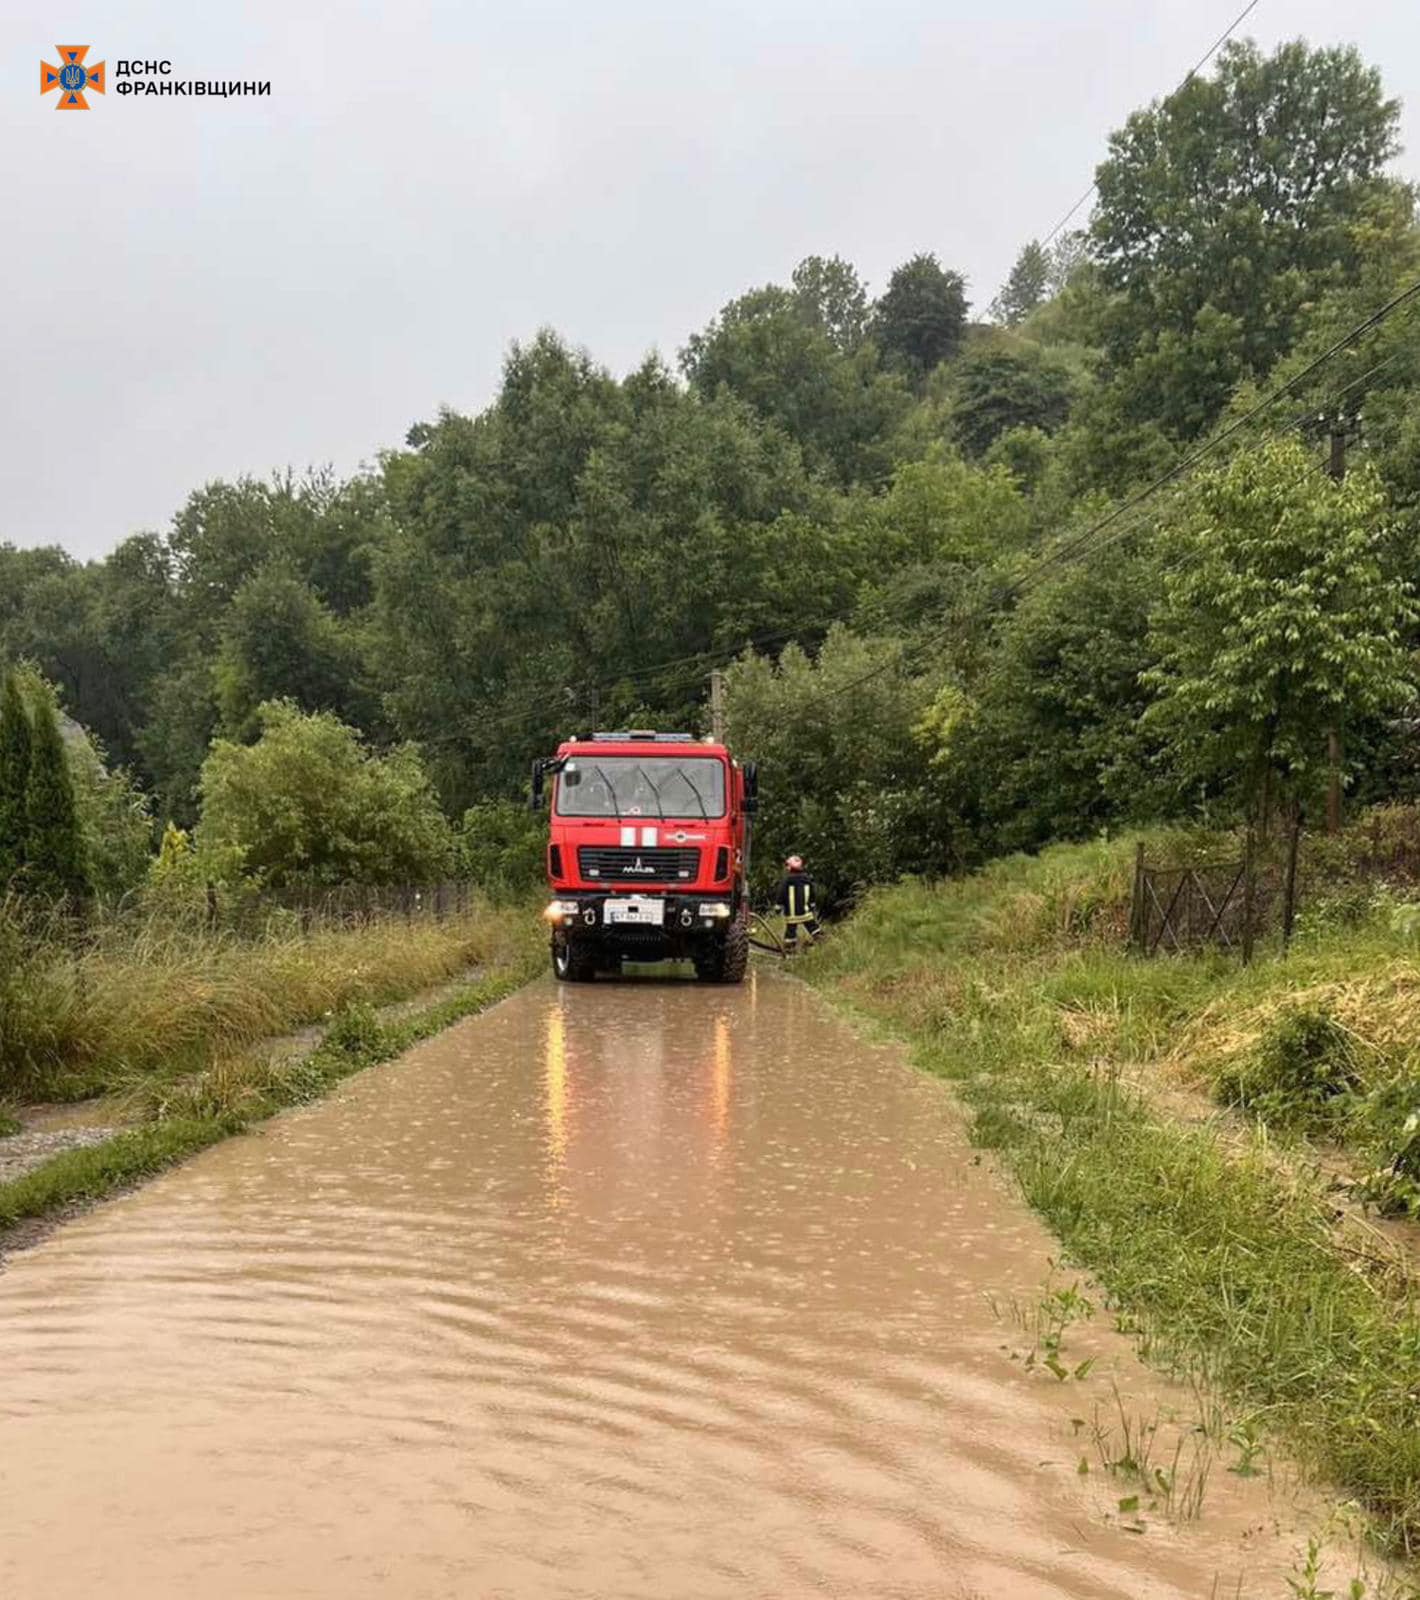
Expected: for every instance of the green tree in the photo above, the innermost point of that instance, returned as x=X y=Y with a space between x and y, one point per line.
x=1226 y=209
x=501 y=846
x=15 y=743
x=1282 y=619
x=831 y=297
x=792 y=357
x=100 y=633
x=115 y=819
x=999 y=387
x=1047 y=743
x=921 y=317
x=54 y=846
x=135 y=616
x=1025 y=288
x=842 y=779
x=310 y=803
x=574 y=536
x=1067 y=256
x=182 y=718
x=280 y=643
x=943 y=509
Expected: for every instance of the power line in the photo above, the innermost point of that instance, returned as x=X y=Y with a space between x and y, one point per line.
x=659 y=676
x=1079 y=545
x=1311 y=414
x=1193 y=72
x=1077 y=548
x=1087 y=543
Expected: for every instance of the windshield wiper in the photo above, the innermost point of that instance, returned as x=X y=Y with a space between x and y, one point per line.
x=686 y=778
x=660 y=808
x=610 y=789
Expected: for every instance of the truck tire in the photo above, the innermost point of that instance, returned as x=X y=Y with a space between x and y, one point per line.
x=736 y=962
x=725 y=961
x=572 y=962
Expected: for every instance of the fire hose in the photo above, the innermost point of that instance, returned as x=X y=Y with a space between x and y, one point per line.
x=763 y=937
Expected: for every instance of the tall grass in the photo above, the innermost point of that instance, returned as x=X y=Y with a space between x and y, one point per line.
x=160 y=994
x=233 y=1093
x=1016 y=985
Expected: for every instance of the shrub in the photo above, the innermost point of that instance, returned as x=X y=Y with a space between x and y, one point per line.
x=1394 y=1117
x=310 y=803
x=1303 y=1068
x=500 y=846
x=356 y=1032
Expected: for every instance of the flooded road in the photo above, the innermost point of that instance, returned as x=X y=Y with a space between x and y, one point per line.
x=619 y=1291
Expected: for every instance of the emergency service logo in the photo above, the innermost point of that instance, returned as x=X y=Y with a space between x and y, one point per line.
x=71 y=77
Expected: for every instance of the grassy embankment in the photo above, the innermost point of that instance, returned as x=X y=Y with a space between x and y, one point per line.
x=167 y=1023
x=1085 y=1067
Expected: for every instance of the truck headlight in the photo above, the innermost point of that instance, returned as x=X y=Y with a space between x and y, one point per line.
x=560 y=910
x=714 y=908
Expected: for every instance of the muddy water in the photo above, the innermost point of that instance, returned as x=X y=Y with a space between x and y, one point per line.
x=640 y=1290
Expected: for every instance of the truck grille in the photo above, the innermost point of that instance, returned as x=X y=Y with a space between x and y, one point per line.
x=607 y=864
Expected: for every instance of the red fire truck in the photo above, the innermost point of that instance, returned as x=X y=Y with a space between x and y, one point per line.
x=647 y=854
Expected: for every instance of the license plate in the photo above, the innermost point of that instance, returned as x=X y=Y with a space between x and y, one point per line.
x=648 y=913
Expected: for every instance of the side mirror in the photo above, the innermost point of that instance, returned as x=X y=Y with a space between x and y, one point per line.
x=535 y=798
x=751 y=788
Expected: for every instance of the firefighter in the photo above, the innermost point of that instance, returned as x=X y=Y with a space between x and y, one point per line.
x=795 y=898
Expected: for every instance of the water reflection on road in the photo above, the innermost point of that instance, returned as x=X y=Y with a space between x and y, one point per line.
x=623 y=1290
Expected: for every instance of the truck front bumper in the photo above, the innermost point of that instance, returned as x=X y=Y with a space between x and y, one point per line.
x=625 y=918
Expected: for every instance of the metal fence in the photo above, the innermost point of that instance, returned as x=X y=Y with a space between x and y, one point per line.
x=239 y=912
x=340 y=906
x=1225 y=904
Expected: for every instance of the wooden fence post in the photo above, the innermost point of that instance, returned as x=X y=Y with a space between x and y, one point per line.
x=1138 y=924
x=1249 y=893
x=1289 y=903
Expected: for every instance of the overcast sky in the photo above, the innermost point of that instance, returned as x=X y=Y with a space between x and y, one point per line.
x=197 y=288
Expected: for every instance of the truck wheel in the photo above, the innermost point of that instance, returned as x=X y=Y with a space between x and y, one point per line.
x=736 y=958
x=725 y=961
x=571 y=963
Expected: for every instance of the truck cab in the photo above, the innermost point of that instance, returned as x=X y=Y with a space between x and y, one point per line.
x=647 y=854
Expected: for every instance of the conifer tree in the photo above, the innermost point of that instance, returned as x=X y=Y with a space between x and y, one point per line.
x=1025 y=289
x=54 y=847
x=14 y=778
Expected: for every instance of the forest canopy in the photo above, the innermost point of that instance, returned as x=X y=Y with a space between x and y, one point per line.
x=960 y=611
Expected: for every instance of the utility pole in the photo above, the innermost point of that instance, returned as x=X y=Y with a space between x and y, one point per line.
x=1336 y=461
x=1336 y=468
x=717 y=706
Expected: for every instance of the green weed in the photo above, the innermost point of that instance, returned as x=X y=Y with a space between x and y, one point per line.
x=1301 y=1075
x=356 y=1031
x=1304 y=1583
x=1394 y=1186
x=1127 y=1447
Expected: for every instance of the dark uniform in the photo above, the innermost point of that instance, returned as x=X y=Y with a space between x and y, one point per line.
x=796 y=900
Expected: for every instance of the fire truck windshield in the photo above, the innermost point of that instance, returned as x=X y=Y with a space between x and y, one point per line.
x=642 y=786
